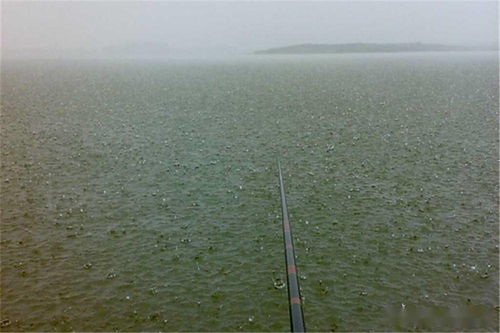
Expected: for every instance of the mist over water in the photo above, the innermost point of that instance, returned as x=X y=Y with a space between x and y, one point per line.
x=139 y=188
x=207 y=29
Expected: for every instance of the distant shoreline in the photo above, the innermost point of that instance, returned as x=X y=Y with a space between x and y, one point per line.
x=370 y=48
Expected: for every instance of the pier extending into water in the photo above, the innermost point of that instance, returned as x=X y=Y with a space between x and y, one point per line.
x=294 y=299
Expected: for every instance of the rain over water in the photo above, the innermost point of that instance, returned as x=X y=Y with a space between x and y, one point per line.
x=142 y=196
x=139 y=148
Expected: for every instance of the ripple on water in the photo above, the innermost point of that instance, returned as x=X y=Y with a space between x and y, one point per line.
x=133 y=194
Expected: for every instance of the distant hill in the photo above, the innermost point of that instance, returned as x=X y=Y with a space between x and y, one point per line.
x=366 y=48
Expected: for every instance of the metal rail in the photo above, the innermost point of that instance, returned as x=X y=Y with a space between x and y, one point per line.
x=294 y=299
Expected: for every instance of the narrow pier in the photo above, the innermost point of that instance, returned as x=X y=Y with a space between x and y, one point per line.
x=294 y=299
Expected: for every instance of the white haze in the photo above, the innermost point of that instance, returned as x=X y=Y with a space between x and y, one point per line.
x=102 y=29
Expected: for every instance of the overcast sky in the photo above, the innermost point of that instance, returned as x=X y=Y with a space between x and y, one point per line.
x=238 y=27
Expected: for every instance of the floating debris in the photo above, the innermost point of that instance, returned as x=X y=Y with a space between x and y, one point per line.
x=279 y=283
x=111 y=275
x=87 y=265
x=5 y=323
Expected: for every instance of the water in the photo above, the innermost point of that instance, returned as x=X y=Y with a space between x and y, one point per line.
x=143 y=195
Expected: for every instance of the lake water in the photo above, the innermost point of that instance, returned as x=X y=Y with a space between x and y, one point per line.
x=142 y=195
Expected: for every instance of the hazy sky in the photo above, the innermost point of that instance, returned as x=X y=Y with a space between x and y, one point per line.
x=236 y=27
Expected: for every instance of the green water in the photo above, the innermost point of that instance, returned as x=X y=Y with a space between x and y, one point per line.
x=142 y=196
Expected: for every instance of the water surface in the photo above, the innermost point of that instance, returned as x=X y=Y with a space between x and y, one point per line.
x=142 y=195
